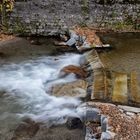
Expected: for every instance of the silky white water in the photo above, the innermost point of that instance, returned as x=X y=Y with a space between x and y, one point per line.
x=26 y=91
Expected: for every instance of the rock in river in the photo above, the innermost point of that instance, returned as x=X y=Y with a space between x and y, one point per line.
x=77 y=88
x=73 y=123
x=78 y=71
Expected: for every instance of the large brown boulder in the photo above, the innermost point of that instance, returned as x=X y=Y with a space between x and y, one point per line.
x=78 y=71
x=74 y=89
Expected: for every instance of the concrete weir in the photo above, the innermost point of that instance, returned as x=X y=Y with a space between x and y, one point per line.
x=112 y=86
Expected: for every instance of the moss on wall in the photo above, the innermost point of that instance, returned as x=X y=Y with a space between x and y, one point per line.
x=85 y=7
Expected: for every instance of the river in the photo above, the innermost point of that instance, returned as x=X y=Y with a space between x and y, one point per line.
x=25 y=88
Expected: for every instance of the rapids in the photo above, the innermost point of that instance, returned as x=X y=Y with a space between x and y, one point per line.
x=25 y=91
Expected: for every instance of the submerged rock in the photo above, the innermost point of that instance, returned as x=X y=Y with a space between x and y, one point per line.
x=2 y=55
x=34 y=41
x=60 y=132
x=27 y=129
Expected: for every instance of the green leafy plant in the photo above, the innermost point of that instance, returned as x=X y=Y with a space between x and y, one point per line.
x=19 y=27
x=6 y=7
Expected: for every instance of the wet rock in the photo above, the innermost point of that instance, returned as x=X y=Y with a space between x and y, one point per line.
x=71 y=42
x=77 y=88
x=92 y=115
x=27 y=129
x=73 y=123
x=78 y=71
x=104 y=123
x=63 y=37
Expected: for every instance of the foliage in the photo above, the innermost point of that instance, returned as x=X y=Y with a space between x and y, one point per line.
x=7 y=5
x=85 y=7
x=19 y=27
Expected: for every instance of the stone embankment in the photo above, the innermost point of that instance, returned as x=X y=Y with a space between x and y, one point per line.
x=103 y=84
x=118 y=88
x=111 y=86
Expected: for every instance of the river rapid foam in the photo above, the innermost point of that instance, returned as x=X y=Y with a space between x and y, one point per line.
x=26 y=90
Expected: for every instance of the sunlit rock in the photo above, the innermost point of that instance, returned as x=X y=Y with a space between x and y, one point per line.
x=78 y=71
x=77 y=88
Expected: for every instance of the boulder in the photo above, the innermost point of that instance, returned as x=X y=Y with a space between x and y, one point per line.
x=93 y=116
x=77 y=88
x=74 y=122
x=78 y=71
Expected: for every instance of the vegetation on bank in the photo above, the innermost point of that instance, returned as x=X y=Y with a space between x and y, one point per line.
x=129 y=23
x=6 y=7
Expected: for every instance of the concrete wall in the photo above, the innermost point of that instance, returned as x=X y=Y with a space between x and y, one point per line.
x=45 y=17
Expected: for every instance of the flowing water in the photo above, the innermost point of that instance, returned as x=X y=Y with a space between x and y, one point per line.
x=25 y=91
x=26 y=84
